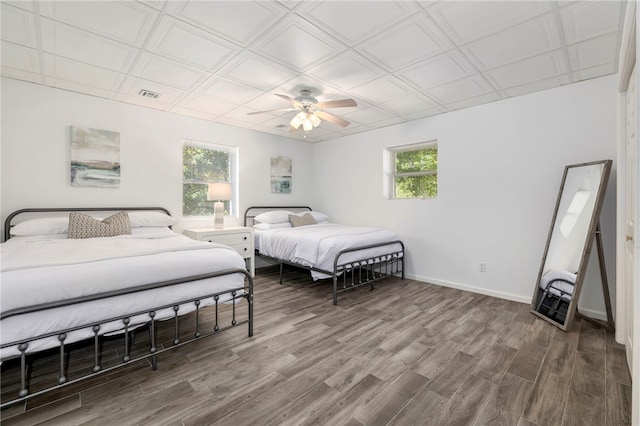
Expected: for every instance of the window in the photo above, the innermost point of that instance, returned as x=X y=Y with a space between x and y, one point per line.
x=414 y=170
x=203 y=164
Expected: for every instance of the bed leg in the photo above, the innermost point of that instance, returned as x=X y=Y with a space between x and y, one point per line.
x=335 y=289
x=403 y=267
x=281 y=268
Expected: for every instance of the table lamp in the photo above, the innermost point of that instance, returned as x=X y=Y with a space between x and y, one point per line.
x=219 y=191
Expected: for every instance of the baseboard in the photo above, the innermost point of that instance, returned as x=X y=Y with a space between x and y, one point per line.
x=599 y=315
x=502 y=295
x=473 y=289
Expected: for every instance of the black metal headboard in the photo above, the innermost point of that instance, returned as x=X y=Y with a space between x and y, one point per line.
x=254 y=211
x=9 y=219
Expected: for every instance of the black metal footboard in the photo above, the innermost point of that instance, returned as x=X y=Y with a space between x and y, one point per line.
x=347 y=275
x=216 y=300
x=367 y=270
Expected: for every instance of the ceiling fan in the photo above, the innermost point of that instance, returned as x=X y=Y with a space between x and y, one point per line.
x=311 y=112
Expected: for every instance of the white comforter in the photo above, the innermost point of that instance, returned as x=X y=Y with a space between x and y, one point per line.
x=37 y=271
x=317 y=245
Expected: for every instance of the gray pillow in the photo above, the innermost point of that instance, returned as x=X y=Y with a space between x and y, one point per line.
x=83 y=226
x=305 y=219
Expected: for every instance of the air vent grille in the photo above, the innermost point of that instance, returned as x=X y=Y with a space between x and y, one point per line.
x=148 y=94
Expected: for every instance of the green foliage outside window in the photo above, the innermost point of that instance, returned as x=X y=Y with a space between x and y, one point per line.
x=201 y=166
x=416 y=173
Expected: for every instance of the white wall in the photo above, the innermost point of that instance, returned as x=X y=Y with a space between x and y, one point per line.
x=35 y=154
x=500 y=167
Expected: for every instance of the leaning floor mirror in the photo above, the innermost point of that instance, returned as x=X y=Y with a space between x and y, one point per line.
x=574 y=228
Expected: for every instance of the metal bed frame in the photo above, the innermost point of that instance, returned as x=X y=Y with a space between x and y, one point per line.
x=553 y=302
x=243 y=292
x=356 y=273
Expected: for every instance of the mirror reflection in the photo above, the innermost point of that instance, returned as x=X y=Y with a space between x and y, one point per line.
x=572 y=232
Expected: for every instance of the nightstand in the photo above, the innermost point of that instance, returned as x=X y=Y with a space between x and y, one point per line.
x=239 y=238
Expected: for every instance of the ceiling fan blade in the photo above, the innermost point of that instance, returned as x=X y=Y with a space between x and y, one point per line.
x=271 y=110
x=338 y=104
x=332 y=118
x=286 y=98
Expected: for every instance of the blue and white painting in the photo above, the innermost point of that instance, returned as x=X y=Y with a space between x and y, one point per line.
x=95 y=157
x=281 y=172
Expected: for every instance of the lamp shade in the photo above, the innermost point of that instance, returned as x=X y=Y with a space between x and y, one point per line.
x=219 y=191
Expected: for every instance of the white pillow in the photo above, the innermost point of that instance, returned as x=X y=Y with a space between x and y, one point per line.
x=274 y=216
x=319 y=217
x=268 y=226
x=42 y=226
x=150 y=218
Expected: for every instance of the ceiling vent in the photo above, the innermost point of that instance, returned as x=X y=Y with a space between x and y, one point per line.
x=148 y=94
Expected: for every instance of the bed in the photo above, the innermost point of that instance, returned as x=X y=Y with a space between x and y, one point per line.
x=557 y=290
x=350 y=256
x=58 y=290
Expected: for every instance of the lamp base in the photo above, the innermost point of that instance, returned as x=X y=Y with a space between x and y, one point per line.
x=218 y=215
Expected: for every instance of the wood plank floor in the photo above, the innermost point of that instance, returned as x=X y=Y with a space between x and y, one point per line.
x=408 y=353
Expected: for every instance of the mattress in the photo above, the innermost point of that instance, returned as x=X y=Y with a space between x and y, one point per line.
x=39 y=270
x=317 y=245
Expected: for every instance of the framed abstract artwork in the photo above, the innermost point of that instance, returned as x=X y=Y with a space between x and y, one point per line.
x=95 y=157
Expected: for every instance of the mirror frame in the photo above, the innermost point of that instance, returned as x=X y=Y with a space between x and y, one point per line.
x=588 y=244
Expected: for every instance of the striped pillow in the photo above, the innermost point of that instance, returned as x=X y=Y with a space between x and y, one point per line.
x=305 y=219
x=83 y=226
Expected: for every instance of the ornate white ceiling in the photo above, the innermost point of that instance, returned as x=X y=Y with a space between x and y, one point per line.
x=219 y=60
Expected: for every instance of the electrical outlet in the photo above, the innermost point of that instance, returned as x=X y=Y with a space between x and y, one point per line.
x=483 y=267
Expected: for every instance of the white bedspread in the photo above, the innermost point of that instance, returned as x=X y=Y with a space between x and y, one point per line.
x=36 y=271
x=317 y=245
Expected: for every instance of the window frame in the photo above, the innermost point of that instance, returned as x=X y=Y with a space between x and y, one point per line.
x=393 y=174
x=232 y=178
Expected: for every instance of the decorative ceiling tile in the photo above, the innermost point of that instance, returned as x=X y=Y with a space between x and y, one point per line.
x=347 y=70
x=74 y=86
x=538 y=86
x=408 y=104
x=84 y=74
x=18 y=26
x=459 y=90
x=354 y=21
x=396 y=47
x=230 y=91
x=478 y=100
x=207 y=104
x=186 y=43
x=128 y=22
x=468 y=21
x=586 y=19
x=131 y=87
x=382 y=89
x=594 y=72
x=241 y=22
x=367 y=116
x=297 y=44
x=241 y=114
x=168 y=72
x=597 y=51
x=82 y=46
x=529 y=39
x=256 y=71
x=400 y=60
x=433 y=72
x=17 y=74
x=529 y=70
x=20 y=57
x=192 y=112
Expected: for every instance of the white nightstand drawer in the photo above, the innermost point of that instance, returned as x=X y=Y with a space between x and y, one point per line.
x=229 y=239
x=239 y=238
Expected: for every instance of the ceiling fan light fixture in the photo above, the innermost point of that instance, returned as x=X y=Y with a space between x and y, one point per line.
x=298 y=119
x=306 y=125
x=315 y=120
